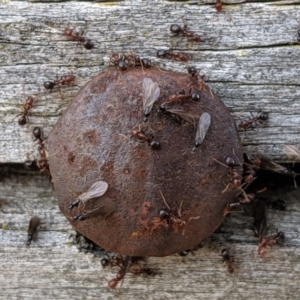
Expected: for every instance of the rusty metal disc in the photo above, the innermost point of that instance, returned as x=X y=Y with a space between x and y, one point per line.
x=93 y=141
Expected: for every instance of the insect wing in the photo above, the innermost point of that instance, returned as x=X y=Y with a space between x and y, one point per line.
x=103 y=210
x=151 y=93
x=204 y=123
x=292 y=152
x=96 y=190
x=183 y=114
x=267 y=164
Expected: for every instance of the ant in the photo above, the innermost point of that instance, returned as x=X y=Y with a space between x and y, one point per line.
x=236 y=178
x=260 y=117
x=64 y=80
x=39 y=136
x=169 y=215
x=260 y=228
x=182 y=95
x=176 y=30
x=42 y=164
x=113 y=261
x=138 y=133
x=218 y=5
x=124 y=266
x=135 y=61
x=87 y=44
x=186 y=252
x=122 y=62
x=169 y=53
x=228 y=259
x=270 y=241
x=24 y=114
x=195 y=74
x=34 y=223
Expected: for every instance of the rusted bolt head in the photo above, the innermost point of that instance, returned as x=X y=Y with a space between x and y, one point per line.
x=93 y=141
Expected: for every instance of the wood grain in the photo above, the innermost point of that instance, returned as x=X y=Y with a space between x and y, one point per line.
x=250 y=59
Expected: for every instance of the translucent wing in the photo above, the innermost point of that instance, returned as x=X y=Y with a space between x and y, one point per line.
x=103 y=210
x=292 y=152
x=267 y=164
x=151 y=93
x=189 y=117
x=96 y=190
x=204 y=123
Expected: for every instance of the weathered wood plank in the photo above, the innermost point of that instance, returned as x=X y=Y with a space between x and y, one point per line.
x=251 y=61
x=52 y=266
x=249 y=58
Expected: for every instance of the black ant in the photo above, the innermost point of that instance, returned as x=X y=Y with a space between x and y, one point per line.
x=169 y=53
x=138 y=133
x=228 y=259
x=218 y=5
x=24 y=115
x=87 y=44
x=176 y=30
x=260 y=117
x=64 y=80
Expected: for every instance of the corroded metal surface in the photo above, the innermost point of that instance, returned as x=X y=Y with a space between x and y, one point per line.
x=93 y=141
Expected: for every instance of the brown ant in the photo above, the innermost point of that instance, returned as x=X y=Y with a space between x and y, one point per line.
x=169 y=215
x=182 y=95
x=64 y=80
x=236 y=178
x=138 y=133
x=24 y=114
x=260 y=228
x=124 y=266
x=270 y=241
x=195 y=74
x=218 y=5
x=176 y=30
x=129 y=60
x=114 y=261
x=135 y=61
x=251 y=122
x=87 y=44
x=228 y=259
x=42 y=163
x=39 y=136
x=169 y=53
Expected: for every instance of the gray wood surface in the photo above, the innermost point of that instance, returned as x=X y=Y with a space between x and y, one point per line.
x=250 y=59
